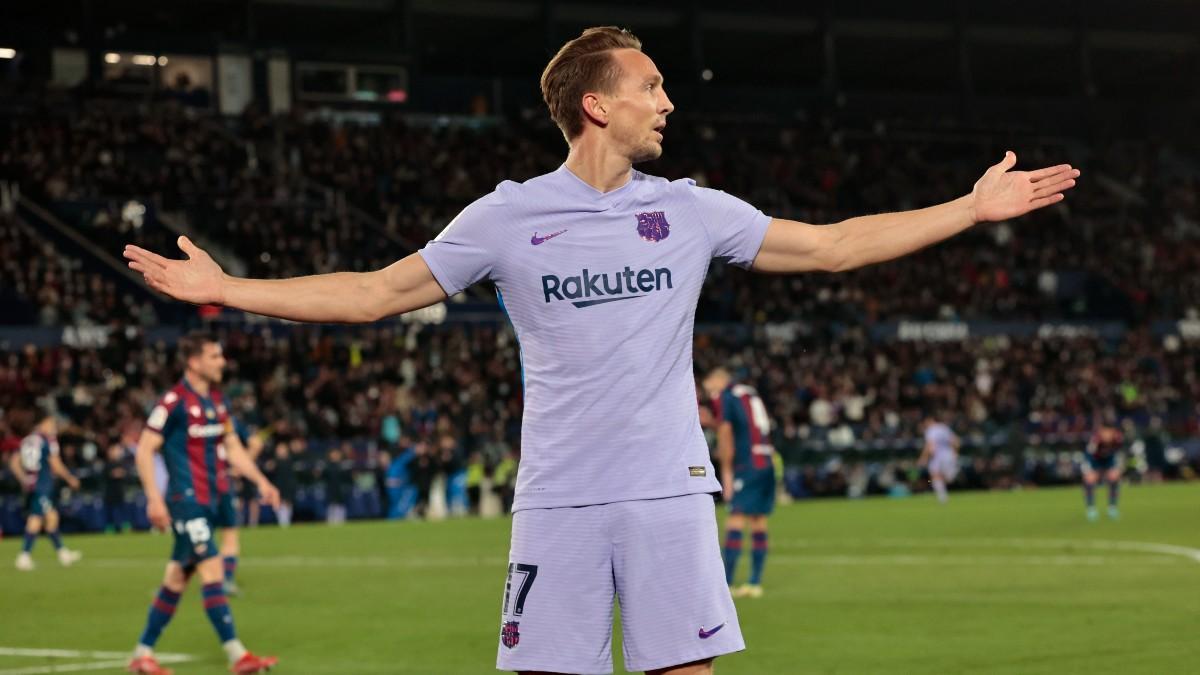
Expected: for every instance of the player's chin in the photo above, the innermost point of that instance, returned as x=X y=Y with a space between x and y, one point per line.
x=649 y=152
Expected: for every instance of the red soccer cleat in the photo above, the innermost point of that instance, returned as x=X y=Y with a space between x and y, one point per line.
x=249 y=663
x=146 y=665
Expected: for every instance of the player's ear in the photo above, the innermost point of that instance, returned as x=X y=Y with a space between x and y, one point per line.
x=595 y=109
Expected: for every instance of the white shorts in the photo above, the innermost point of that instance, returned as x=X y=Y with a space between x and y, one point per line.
x=946 y=464
x=661 y=558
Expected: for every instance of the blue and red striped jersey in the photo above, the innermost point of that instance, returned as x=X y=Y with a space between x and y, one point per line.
x=744 y=410
x=193 y=428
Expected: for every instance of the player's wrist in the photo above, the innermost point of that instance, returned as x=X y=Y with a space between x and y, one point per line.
x=223 y=287
x=968 y=203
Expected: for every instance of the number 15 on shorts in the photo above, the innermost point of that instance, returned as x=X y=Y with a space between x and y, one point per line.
x=524 y=576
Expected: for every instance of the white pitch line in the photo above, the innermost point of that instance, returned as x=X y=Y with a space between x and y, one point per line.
x=108 y=660
x=966 y=560
x=67 y=667
x=1192 y=554
x=320 y=561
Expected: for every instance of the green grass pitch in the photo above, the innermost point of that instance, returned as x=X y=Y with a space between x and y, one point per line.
x=992 y=583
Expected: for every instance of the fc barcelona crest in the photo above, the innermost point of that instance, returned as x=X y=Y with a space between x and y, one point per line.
x=509 y=635
x=653 y=226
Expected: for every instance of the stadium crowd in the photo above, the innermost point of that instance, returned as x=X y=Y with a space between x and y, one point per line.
x=248 y=189
x=395 y=409
x=446 y=400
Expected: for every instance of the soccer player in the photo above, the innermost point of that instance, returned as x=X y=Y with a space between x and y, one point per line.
x=191 y=426
x=940 y=453
x=227 y=518
x=747 y=473
x=600 y=268
x=1101 y=458
x=35 y=464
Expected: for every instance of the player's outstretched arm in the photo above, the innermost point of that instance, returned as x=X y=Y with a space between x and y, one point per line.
x=1000 y=194
x=344 y=297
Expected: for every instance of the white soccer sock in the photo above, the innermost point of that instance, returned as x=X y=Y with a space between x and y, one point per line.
x=939 y=486
x=234 y=649
x=142 y=650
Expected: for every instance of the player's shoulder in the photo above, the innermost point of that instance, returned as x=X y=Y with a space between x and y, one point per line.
x=173 y=396
x=657 y=188
x=739 y=390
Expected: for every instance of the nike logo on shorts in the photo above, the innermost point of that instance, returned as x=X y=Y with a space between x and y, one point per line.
x=705 y=634
x=535 y=240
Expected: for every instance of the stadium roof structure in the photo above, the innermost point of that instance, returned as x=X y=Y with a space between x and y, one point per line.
x=1021 y=47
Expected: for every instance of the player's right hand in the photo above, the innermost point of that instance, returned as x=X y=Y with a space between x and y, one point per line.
x=156 y=512
x=268 y=494
x=198 y=280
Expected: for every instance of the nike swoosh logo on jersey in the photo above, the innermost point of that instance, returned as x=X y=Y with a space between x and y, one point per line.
x=705 y=634
x=535 y=239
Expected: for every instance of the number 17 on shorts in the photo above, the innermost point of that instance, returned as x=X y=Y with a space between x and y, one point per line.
x=516 y=590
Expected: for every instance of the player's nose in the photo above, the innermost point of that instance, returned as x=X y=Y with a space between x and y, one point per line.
x=665 y=106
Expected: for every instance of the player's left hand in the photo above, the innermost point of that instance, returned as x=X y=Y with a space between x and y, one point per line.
x=268 y=495
x=1002 y=194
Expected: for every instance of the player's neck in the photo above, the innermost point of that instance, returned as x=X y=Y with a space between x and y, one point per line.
x=597 y=164
x=198 y=384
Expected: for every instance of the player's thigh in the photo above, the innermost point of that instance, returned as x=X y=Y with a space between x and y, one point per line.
x=1090 y=475
x=675 y=606
x=210 y=570
x=174 y=577
x=1113 y=474
x=51 y=519
x=557 y=609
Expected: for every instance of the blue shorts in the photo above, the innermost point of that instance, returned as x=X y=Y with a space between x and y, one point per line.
x=226 y=511
x=753 y=492
x=193 y=525
x=1100 y=464
x=40 y=503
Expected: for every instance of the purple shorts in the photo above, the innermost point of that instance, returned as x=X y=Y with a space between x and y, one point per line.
x=660 y=558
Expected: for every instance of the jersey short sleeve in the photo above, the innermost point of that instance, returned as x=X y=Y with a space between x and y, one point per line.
x=235 y=425
x=162 y=417
x=464 y=252
x=31 y=453
x=728 y=407
x=735 y=228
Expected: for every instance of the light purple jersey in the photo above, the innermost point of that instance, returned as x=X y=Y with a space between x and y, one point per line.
x=941 y=438
x=601 y=289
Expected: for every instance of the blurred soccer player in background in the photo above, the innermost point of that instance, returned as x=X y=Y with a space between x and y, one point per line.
x=747 y=473
x=1102 y=459
x=940 y=454
x=35 y=465
x=191 y=426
